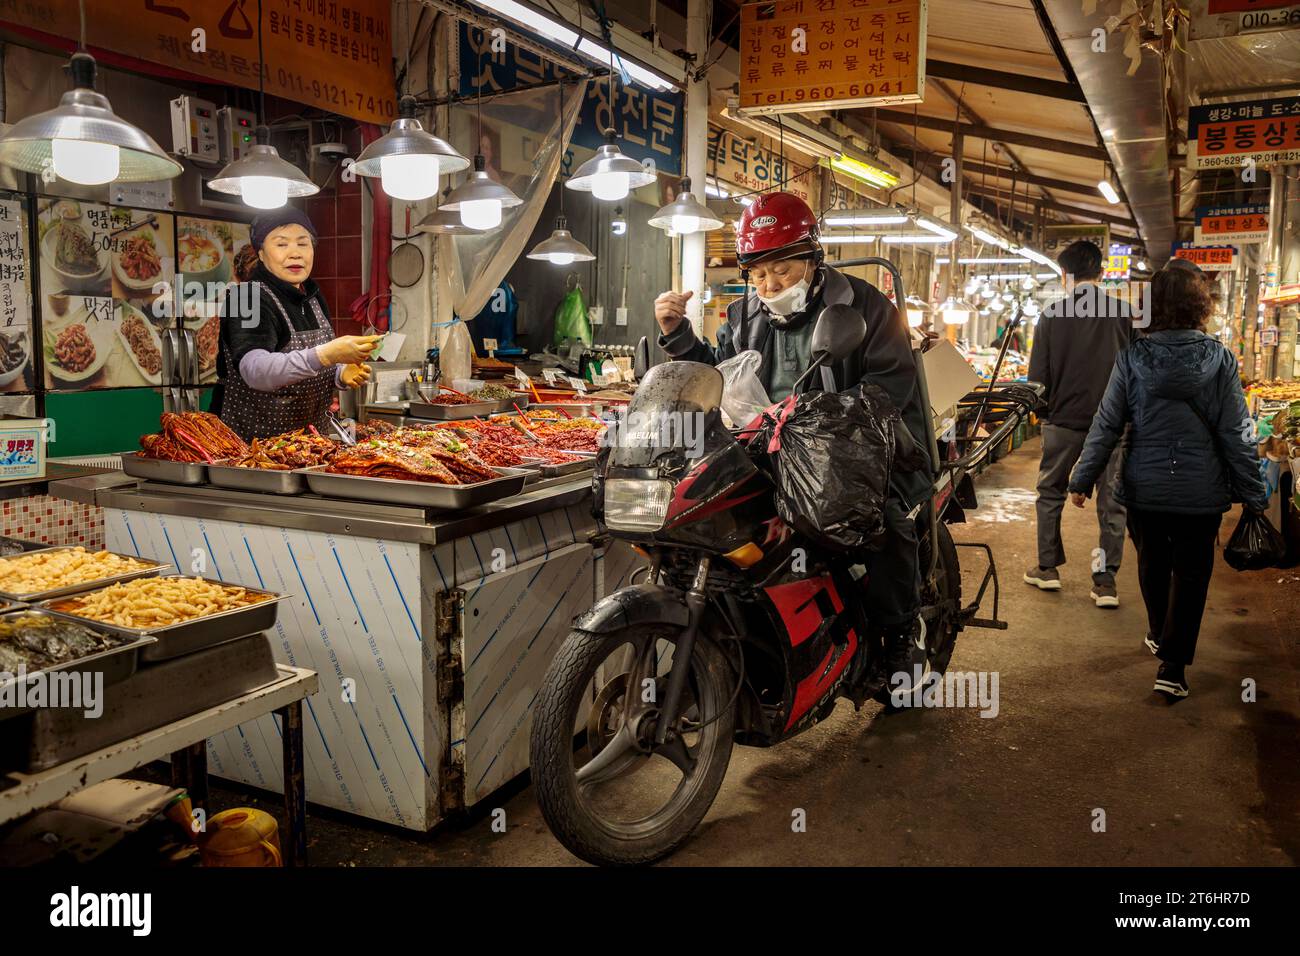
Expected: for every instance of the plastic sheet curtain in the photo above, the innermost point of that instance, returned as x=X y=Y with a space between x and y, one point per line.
x=524 y=139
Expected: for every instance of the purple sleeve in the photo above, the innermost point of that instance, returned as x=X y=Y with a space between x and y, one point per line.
x=267 y=371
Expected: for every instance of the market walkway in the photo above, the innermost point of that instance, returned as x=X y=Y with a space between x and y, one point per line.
x=1211 y=780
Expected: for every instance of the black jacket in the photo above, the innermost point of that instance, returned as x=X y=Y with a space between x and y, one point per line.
x=1075 y=345
x=885 y=358
x=1173 y=462
x=268 y=331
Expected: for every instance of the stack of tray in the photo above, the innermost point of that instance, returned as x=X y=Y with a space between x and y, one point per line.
x=35 y=597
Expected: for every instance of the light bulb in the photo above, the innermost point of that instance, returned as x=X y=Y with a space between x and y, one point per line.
x=915 y=317
x=986 y=291
x=996 y=305
x=481 y=213
x=90 y=164
x=685 y=225
x=972 y=286
x=264 y=192
x=561 y=258
x=1028 y=283
x=1108 y=191
x=409 y=177
x=610 y=186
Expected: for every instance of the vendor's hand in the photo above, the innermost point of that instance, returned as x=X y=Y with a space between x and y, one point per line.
x=1077 y=499
x=354 y=376
x=670 y=310
x=347 y=349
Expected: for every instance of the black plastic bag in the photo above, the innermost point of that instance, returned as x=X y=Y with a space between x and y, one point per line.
x=832 y=455
x=1255 y=544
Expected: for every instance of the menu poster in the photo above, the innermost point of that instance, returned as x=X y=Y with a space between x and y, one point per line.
x=15 y=300
x=208 y=262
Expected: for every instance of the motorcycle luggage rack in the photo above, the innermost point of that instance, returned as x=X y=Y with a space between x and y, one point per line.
x=990 y=574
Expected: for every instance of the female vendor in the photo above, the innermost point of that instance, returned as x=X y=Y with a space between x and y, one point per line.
x=280 y=361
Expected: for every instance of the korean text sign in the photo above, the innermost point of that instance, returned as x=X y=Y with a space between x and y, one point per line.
x=819 y=54
x=334 y=54
x=1220 y=135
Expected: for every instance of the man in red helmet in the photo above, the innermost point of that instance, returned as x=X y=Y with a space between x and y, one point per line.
x=779 y=252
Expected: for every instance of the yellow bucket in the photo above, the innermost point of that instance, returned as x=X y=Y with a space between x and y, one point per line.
x=243 y=836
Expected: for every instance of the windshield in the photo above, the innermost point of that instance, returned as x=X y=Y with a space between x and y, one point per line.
x=669 y=412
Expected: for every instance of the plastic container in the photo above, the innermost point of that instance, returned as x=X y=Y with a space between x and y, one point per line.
x=22 y=448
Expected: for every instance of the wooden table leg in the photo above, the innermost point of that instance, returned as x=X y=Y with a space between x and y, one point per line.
x=295 y=785
x=198 y=774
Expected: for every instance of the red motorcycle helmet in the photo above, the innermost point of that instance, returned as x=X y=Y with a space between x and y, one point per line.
x=777 y=225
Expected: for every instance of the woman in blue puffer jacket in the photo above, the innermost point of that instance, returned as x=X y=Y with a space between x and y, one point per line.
x=1190 y=452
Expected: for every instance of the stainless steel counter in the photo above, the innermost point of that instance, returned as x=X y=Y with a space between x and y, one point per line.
x=316 y=513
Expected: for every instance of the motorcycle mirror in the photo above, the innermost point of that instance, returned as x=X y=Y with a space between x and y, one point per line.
x=641 y=362
x=839 y=331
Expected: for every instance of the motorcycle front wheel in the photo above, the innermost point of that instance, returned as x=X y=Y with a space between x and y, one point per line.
x=606 y=791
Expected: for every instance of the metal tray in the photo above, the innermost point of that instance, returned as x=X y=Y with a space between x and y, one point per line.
x=153 y=696
x=423 y=494
x=186 y=637
x=116 y=664
x=456 y=413
x=256 y=479
x=576 y=409
x=550 y=470
x=155 y=469
x=155 y=567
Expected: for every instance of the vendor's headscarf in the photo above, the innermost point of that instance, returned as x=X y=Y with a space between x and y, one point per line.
x=268 y=222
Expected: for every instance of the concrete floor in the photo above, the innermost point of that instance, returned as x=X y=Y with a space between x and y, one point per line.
x=1209 y=781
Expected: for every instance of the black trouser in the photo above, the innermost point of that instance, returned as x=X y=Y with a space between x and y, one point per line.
x=1175 y=561
x=893 y=588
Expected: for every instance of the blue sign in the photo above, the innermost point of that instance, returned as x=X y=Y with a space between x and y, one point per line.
x=650 y=124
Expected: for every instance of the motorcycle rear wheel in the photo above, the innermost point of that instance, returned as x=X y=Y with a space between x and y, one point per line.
x=572 y=806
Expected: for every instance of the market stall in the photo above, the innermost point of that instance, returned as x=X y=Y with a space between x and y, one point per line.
x=430 y=608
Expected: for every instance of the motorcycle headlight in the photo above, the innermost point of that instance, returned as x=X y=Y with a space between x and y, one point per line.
x=636 y=504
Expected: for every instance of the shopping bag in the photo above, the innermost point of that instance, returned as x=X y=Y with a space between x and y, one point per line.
x=1255 y=544
x=743 y=395
x=571 y=321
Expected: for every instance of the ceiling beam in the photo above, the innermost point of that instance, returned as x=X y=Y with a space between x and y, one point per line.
x=1003 y=195
x=979 y=131
x=1062 y=185
x=999 y=79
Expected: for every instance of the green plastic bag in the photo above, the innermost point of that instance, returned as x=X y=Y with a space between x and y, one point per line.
x=571 y=321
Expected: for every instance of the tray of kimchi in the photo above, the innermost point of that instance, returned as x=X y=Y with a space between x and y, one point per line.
x=272 y=465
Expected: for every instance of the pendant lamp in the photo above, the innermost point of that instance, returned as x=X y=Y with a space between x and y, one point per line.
x=685 y=214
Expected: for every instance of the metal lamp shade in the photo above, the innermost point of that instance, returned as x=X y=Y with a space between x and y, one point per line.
x=686 y=205
x=609 y=159
x=445 y=222
x=86 y=116
x=406 y=137
x=478 y=188
x=263 y=161
x=561 y=248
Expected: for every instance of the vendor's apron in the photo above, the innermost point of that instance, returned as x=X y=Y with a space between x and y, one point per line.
x=253 y=414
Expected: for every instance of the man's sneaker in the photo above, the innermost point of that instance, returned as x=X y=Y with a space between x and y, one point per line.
x=1045 y=579
x=1171 y=681
x=1105 y=595
x=1151 y=644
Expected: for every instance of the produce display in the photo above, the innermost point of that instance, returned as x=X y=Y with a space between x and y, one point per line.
x=158 y=602
x=303 y=448
x=73 y=349
x=493 y=393
x=32 y=641
x=140 y=339
x=139 y=257
x=193 y=437
x=497 y=440
x=1277 y=391
x=455 y=398
x=39 y=571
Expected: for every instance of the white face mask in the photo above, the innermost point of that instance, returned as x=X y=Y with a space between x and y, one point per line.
x=788 y=301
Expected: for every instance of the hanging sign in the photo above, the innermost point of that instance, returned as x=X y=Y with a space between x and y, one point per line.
x=734 y=159
x=1222 y=135
x=1056 y=238
x=1209 y=258
x=1217 y=224
x=649 y=123
x=1118 y=262
x=1223 y=18
x=335 y=56
x=800 y=55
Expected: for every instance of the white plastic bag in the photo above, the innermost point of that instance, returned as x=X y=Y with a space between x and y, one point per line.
x=743 y=395
x=455 y=351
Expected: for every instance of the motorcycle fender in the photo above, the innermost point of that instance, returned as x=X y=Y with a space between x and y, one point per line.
x=635 y=604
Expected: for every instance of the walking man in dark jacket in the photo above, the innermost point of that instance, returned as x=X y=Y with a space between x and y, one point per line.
x=1075 y=345
x=777 y=245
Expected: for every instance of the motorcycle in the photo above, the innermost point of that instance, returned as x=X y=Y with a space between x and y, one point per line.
x=741 y=632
